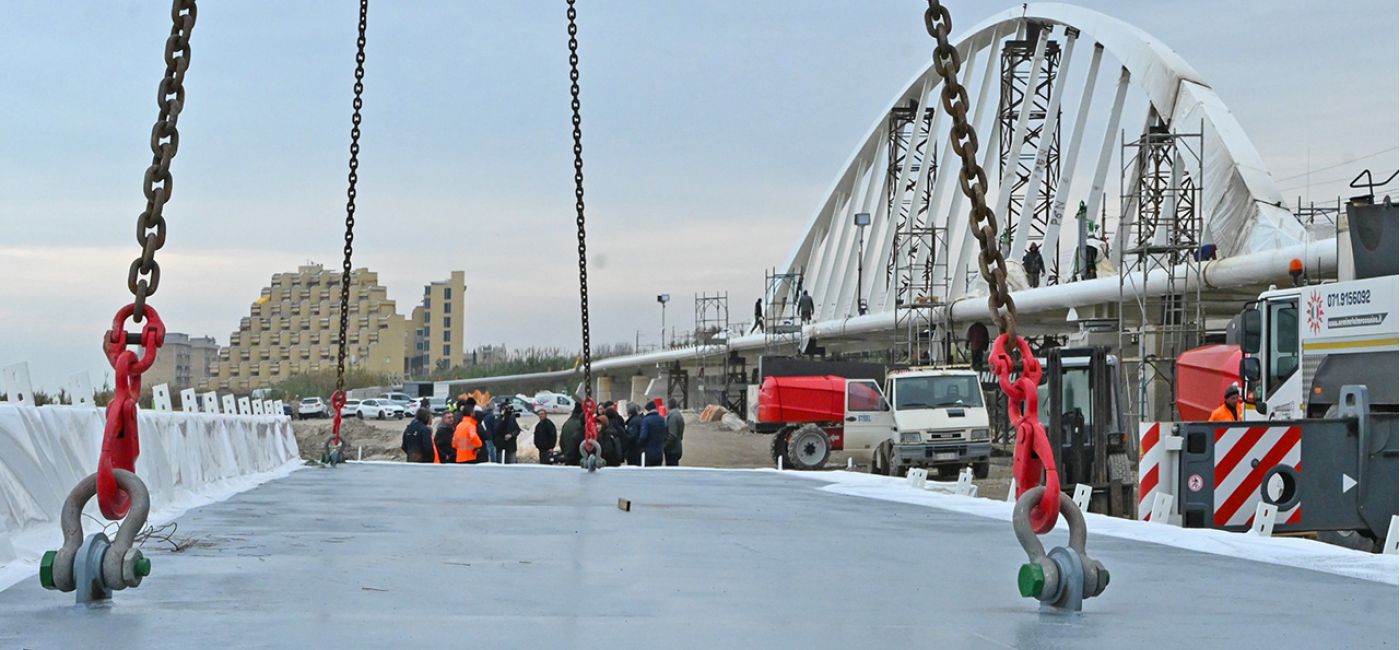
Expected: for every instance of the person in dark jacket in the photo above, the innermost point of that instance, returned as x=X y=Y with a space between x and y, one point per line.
x=507 y=435
x=805 y=307
x=653 y=437
x=1033 y=264
x=442 y=438
x=631 y=447
x=418 y=438
x=486 y=418
x=546 y=437
x=675 y=432
x=610 y=434
x=571 y=436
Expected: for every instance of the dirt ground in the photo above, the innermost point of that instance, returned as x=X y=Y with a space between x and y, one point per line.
x=707 y=444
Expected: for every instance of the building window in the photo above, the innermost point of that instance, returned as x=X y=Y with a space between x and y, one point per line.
x=446 y=350
x=447 y=293
x=447 y=321
x=425 y=317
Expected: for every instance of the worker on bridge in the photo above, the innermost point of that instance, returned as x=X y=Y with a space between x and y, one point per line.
x=805 y=307
x=1231 y=410
x=757 y=316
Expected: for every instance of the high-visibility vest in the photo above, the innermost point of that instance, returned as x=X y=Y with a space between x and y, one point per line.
x=465 y=440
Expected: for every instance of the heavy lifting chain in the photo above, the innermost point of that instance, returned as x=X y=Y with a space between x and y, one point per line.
x=118 y=490
x=1034 y=458
x=590 y=449
x=335 y=446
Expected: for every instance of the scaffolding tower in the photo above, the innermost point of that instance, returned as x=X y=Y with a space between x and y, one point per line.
x=782 y=326
x=712 y=352
x=908 y=136
x=1016 y=58
x=1160 y=174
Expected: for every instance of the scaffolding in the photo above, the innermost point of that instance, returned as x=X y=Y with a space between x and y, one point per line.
x=713 y=356
x=1016 y=58
x=908 y=136
x=1160 y=174
x=782 y=326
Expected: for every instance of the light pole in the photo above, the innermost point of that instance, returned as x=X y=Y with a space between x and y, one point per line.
x=862 y=220
x=663 y=299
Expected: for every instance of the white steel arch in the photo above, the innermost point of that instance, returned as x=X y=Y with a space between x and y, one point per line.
x=1239 y=204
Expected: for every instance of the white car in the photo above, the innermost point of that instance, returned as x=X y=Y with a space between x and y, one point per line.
x=351 y=408
x=554 y=402
x=313 y=407
x=402 y=399
x=379 y=409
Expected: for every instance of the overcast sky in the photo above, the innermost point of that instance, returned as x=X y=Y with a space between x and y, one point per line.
x=712 y=130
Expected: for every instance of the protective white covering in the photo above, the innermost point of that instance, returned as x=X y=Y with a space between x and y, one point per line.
x=1285 y=551
x=187 y=460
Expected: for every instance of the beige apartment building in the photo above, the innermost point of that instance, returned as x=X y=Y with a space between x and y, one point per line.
x=182 y=362
x=294 y=328
x=439 y=327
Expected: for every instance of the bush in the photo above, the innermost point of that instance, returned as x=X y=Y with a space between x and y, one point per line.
x=322 y=383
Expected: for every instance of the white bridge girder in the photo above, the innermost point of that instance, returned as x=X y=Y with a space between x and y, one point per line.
x=1240 y=204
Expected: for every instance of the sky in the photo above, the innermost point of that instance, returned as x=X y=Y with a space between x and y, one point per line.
x=712 y=130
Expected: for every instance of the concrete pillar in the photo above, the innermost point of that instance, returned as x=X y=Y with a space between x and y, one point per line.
x=639 y=388
x=604 y=390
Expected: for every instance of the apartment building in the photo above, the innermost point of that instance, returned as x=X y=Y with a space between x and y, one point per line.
x=439 y=326
x=182 y=362
x=294 y=327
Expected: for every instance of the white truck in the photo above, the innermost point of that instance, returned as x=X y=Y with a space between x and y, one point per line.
x=1302 y=343
x=921 y=417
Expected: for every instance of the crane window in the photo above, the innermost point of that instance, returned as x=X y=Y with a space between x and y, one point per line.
x=1283 y=342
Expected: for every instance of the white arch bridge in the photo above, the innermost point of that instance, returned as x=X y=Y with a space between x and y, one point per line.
x=1152 y=211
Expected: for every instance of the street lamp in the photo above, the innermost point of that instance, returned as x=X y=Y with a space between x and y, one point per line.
x=663 y=299
x=862 y=220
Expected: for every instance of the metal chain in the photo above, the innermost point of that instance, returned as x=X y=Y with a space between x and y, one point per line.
x=972 y=179
x=143 y=278
x=350 y=201
x=578 y=205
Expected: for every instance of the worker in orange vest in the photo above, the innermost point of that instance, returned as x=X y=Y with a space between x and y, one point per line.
x=465 y=438
x=1231 y=410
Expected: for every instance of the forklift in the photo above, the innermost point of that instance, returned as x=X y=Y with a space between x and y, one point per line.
x=1088 y=427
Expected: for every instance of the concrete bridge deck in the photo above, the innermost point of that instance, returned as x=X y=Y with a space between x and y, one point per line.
x=373 y=555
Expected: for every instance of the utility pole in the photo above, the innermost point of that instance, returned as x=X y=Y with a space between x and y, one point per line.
x=862 y=220
x=663 y=299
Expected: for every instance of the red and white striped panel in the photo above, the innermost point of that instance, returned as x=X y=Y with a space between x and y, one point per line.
x=1149 y=466
x=1242 y=457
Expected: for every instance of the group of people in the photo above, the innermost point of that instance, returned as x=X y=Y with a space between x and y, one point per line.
x=644 y=438
x=466 y=434
x=470 y=434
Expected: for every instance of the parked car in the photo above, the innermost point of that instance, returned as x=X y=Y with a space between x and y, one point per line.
x=351 y=408
x=379 y=409
x=313 y=407
x=402 y=399
x=520 y=404
x=435 y=405
x=555 y=402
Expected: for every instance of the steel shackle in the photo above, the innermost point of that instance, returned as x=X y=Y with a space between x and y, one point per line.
x=1042 y=577
x=122 y=565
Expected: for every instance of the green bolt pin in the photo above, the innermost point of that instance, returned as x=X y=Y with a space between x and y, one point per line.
x=1031 y=580
x=46 y=569
x=143 y=566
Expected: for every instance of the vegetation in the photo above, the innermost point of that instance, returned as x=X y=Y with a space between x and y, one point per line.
x=322 y=383
x=529 y=360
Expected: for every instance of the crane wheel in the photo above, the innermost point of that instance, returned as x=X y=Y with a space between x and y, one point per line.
x=808 y=448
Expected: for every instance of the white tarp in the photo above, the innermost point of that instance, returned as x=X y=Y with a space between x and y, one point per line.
x=187 y=460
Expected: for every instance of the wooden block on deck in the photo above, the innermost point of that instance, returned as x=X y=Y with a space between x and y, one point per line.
x=624 y=505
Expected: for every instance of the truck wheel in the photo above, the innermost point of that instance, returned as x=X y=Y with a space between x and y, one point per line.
x=779 y=447
x=980 y=470
x=1120 y=468
x=880 y=460
x=808 y=448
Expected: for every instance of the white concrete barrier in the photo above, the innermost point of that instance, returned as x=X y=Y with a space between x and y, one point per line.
x=187 y=459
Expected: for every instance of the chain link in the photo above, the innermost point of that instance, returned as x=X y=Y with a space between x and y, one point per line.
x=972 y=178
x=578 y=205
x=143 y=277
x=350 y=206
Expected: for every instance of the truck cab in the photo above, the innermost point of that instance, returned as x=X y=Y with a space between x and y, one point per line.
x=940 y=421
x=1297 y=341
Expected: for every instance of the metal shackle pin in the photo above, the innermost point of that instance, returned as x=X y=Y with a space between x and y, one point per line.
x=108 y=566
x=1064 y=577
